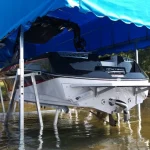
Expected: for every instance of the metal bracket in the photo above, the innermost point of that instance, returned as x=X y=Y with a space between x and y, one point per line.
x=94 y=89
x=84 y=95
x=139 y=90
x=13 y=92
x=26 y=75
x=104 y=90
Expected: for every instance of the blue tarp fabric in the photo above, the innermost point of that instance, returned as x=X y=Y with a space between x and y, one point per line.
x=100 y=34
x=107 y=25
x=16 y=12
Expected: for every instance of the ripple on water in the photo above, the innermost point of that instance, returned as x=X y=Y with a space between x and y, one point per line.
x=78 y=130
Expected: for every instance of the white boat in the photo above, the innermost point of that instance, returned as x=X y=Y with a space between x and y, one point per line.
x=109 y=84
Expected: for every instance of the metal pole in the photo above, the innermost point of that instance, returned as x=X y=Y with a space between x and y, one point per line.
x=40 y=139
x=21 y=86
x=57 y=136
x=56 y=117
x=118 y=117
x=15 y=105
x=129 y=125
x=2 y=100
x=137 y=56
x=37 y=100
x=11 y=102
x=139 y=129
x=21 y=141
x=139 y=105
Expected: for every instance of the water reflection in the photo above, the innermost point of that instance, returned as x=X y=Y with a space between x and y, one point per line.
x=87 y=124
x=40 y=138
x=21 y=141
x=79 y=129
x=57 y=136
x=140 y=137
x=118 y=117
x=129 y=126
x=76 y=117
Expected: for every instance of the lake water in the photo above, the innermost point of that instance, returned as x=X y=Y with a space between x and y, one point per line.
x=78 y=130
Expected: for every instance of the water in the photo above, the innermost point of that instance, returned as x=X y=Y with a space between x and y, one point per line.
x=79 y=130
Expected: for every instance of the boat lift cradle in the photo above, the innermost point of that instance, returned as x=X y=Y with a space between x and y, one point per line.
x=138 y=88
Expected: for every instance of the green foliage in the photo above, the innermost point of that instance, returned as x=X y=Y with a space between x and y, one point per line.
x=144 y=59
x=4 y=91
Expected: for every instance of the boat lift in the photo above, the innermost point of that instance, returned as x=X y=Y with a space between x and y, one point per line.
x=12 y=102
x=19 y=80
x=139 y=106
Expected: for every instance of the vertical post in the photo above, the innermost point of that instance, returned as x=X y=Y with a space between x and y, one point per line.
x=21 y=86
x=57 y=136
x=137 y=56
x=2 y=102
x=21 y=140
x=118 y=120
x=40 y=139
x=56 y=116
x=129 y=125
x=139 y=105
x=15 y=105
x=37 y=100
x=12 y=98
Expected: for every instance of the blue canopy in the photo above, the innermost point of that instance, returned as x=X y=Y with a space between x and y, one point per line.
x=16 y=12
x=100 y=34
x=106 y=25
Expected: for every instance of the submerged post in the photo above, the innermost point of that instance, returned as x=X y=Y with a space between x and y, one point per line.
x=21 y=86
x=56 y=117
x=139 y=105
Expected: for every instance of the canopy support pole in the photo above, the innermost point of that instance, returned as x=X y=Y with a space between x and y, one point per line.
x=137 y=56
x=21 y=86
x=139 y=105
x=21 y=141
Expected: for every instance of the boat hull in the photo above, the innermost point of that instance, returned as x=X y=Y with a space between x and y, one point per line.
x=86 y=92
